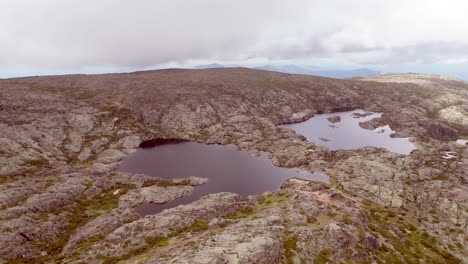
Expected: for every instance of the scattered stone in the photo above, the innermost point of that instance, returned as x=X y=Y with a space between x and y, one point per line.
x=359 y=115
x=334 y=119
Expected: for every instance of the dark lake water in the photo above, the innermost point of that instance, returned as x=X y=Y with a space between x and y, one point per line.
x=347 y=134
x=227 y=170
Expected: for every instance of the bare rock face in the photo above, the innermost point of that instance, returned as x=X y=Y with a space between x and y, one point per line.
x=233 y=245
x=191 y=180
x=153 y=194
x=82 y=123
x=131 y=142
x=334 y=119
x=15 y=194
x=440 y=131
x=62 y=137
x=371 y=124
x=456 y=115
x=76 y=140
x=85 y=155
x=169 y=222
x=301 y=116
x=98 y=144
x=100 y=226
x=110 y=156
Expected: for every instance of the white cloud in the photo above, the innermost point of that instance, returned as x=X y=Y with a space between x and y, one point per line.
x=71 y=35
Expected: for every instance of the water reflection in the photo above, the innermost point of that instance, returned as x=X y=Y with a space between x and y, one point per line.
x=347 y=134
x=227 y=170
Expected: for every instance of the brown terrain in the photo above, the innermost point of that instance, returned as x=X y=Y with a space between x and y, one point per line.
x=62 y=137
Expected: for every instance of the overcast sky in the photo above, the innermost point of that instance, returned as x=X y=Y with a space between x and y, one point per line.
x=65 y=36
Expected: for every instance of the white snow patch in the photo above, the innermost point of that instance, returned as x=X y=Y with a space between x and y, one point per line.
x=449 y=155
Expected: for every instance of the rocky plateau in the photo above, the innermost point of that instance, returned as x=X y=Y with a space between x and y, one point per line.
x=62 y=201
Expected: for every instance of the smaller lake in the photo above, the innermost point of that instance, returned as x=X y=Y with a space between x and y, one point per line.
x=227 y=170
x=347 y=134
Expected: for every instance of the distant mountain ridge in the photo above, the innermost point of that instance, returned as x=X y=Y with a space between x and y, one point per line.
x=338 y=74
x=293 y=69
x=209 y=66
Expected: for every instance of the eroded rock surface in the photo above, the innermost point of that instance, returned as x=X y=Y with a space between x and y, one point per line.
x=63 y=137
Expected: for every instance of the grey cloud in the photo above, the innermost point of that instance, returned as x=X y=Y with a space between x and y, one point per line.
x=312 y=48
x=435 y=53
x=68 y=35
x=129 y=33
x=429 y=52
x=357 y=47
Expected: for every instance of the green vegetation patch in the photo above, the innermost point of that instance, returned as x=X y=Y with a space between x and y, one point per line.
x=103 y=203
x=272 y=200
x=322 y=257
x=151 y=242
x=409 y=244
x=86 y=210
x=290 y=247
x=91 y=241
x=198 y=226
x=82 y=165
x=165 y=183
x=39 y=163
x=247 y=212
x=157 y=241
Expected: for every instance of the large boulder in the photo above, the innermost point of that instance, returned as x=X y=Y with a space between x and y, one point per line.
x=131 y=142
x=110 y=156
x=154 y=194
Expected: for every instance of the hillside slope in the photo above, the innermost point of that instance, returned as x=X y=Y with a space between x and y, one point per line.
x=63 y=136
